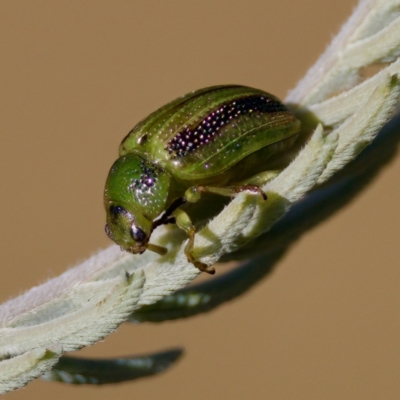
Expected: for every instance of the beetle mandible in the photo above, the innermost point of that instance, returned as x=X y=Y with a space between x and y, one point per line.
x=219 y=140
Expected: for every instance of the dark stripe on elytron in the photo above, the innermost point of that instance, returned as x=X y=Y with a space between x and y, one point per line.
x=190 y=139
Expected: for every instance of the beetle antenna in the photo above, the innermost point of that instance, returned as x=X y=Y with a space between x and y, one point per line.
x=157 y=249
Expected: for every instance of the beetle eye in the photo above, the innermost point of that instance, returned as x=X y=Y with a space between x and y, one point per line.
x=108 y=232
x=137 y=234
x=116 y=211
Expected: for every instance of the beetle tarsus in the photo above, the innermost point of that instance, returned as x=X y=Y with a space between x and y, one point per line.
x=201 y=266
x=204 y=267
x=252 y=188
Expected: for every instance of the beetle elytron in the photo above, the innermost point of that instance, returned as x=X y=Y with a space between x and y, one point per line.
x=219 y=140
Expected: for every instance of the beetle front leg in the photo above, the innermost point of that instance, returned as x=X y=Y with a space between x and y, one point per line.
x=168 y=217
x=184 y=222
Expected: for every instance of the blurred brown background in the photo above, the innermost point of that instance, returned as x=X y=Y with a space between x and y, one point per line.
x=75 y=77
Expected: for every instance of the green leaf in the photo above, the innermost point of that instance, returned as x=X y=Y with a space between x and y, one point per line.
x=102 y=371
x=267 y=249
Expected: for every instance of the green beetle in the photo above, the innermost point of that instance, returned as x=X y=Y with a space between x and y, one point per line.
x=220 y=139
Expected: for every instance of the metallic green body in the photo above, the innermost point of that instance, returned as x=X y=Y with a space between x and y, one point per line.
x=216 y=137
x=211 y=164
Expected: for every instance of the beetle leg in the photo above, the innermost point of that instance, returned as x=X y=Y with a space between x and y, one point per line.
x=250 y=188
x=262 y=178
x=167 y=217
x=183 y=221
x=193 y=194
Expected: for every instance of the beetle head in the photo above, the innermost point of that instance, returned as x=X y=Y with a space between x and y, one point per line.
x=135 y=194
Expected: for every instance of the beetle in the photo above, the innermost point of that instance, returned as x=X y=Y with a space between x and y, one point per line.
x=219 y=140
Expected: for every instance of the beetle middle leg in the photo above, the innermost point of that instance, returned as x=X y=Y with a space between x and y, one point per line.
x=174 y=215
x=184 y=222
x=193 y=194
x=261 y=178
